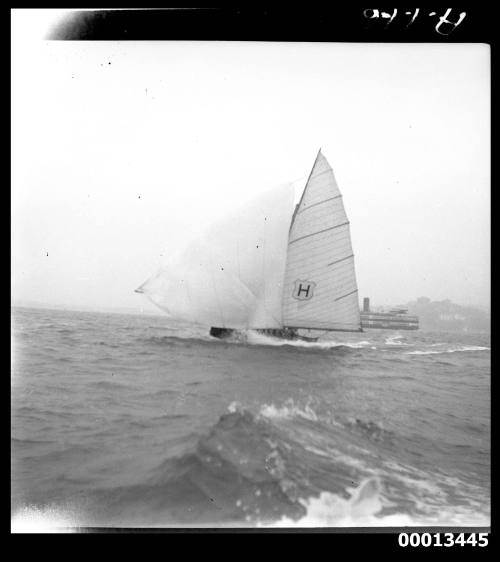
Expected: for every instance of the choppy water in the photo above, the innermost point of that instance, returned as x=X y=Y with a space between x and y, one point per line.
x=121 y=420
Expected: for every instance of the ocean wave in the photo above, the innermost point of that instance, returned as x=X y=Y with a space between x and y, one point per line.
x=151 y=421
x=347 y=443
x=316 y=422
x=108 y=344
x=49 y=325
x=39 y=413
x=450 y=350
x=176 y=341
x=237 y=472
x=292 y=410
x=374 y=431
x=66 y=331
x=402 y=495
x=333 y=510
x=435 y=498
x=29 y=442
x=394 y=340
x=253 y=338
x=368 y=506
x=171 y=417
x=421 y=499
x=59 y=456
x=252 y=470
x=111 y=385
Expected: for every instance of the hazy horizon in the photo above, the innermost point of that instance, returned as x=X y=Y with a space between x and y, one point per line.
x=121 y=151
x=148 y=307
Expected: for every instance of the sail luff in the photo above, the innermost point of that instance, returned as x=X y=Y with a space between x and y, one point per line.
x=297 y=207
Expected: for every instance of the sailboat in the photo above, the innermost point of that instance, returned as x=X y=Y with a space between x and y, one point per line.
x=282 y=271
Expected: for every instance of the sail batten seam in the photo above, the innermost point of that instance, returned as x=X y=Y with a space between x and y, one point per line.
x=344 y=296
x=318 y=203
x=342 y=259
x=318 y=232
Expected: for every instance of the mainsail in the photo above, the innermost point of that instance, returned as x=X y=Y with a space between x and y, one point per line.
x=320 y=281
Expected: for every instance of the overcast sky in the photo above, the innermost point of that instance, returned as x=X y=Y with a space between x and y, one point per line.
x=123 y=150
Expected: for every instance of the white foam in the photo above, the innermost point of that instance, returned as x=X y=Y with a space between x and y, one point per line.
x=427 y=493
x=287 y=411
x=331 y=510
x=451 y=350
x=430 y=494
x=393 y=340
x=338 y=457
x=364 y=506
x=257 y=338
x=234 y=407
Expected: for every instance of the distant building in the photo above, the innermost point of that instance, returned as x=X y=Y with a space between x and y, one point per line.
x=448 y=317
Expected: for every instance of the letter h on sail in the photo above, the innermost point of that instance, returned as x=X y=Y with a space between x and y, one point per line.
x=303 y=290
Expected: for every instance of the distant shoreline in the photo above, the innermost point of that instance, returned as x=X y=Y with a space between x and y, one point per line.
x=64 y=308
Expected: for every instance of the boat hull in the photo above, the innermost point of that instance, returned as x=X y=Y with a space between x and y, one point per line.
x=287 y=334
x=221 y=333
x=282 y=333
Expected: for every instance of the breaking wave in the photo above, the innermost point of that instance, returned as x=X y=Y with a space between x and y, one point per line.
x=285 y=466
x=450 y=350
x=395 y=340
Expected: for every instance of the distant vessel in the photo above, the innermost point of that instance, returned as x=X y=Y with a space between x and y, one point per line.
x=268 y=269
x=395 y=319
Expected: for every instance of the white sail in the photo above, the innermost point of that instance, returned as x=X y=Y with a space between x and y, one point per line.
x=320 y=281
x=233 y=276
x=196 y=289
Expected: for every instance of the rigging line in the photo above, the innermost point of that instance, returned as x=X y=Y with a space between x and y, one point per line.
x=318 y=232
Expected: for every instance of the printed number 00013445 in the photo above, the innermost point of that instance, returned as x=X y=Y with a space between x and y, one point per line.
x=442 y=539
